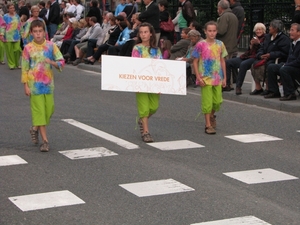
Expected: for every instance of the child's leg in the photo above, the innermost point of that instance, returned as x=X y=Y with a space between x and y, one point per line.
x=43 y=133
x=9 y=55
x=142 y=100
x=217 y=99
x=207 y=103
x=17 y=53
x=1 y=52
x=153 y=103
x=76 y=51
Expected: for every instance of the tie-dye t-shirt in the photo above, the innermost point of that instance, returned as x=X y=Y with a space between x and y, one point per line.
x=2 y=25
x=141 y=51
x=209 y=56
x=35 y=72
x=26 y=36
x=12 y=28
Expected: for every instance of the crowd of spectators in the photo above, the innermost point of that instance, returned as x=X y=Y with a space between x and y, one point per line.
x=84 y=36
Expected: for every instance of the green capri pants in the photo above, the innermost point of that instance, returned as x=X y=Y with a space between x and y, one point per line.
x=211 y=98
x=147 y=103
x=1 y=51
x=13 y=52
x=42 y=108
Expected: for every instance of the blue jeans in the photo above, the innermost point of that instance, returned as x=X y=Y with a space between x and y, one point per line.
x=242 y=64
x=52 y=28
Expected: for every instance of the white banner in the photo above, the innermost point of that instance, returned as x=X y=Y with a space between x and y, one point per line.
x=143 y=75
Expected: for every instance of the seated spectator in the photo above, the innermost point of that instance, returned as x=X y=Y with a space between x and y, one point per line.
x=194 y=25
x=130 y=9
x=61 y=32
x=114 y=33
x=165 y=48
x=80 y=48
x=245 y=61
x=123 y=37
x=72 y=31
x=180 y=48
x=126 y=49
x=195 y=37
x=288 y=72
x=275 y=46
x=64 y=49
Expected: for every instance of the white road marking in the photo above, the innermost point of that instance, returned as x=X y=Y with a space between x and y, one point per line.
x=9 y=160
x=175 y=145
x=87 y=153
x=246 y=220
x=45 y=200
x=102 y=134
x=250 y=138
x=260 y=176
x=156 y=187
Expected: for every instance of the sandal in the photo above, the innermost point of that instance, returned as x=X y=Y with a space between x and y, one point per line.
x=140 y=123
x=34 y=135
x=2 y=63
x=213 y=121
x=147 y=138
x=44 y=147
x=210 y=130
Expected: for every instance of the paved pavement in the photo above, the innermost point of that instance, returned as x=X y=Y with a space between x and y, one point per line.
x=288 y=106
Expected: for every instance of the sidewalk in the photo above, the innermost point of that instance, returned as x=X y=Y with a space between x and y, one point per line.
x=287 y=106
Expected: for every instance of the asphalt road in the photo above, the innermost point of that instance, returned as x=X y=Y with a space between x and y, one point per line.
x=208 y=194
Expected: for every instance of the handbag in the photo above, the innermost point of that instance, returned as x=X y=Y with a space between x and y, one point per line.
x=167 y=26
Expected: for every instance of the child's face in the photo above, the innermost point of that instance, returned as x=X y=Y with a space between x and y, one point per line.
x=211 y=32
x=38 y=34
x=145 y=34
x=183 y=35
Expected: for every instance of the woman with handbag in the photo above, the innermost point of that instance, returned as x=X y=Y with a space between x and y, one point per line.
x=166 y=24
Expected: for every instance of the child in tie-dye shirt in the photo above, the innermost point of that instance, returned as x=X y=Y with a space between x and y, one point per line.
x=37 y=60
x=147 y=103
x=210 y=69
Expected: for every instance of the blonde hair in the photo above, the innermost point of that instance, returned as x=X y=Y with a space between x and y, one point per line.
x=75 y=24
x=34 y=7
x=259 y=26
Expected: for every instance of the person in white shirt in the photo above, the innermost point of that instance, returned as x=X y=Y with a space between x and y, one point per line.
x=72 y=7
x=79 y=9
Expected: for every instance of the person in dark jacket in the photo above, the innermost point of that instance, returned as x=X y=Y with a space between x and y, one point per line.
x=53 y=18
x=23 y=9
x=130 y=9
x=164 y=17
x=188 y=11
x=43 y=11
x=94 y=11
x=238 y=10
x=275 y=46
x=288 y=71
x=151 y=15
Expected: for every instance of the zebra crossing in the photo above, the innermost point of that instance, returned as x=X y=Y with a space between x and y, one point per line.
x=146 y=188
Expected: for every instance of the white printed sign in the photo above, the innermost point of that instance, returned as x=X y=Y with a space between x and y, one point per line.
x=143 y=75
